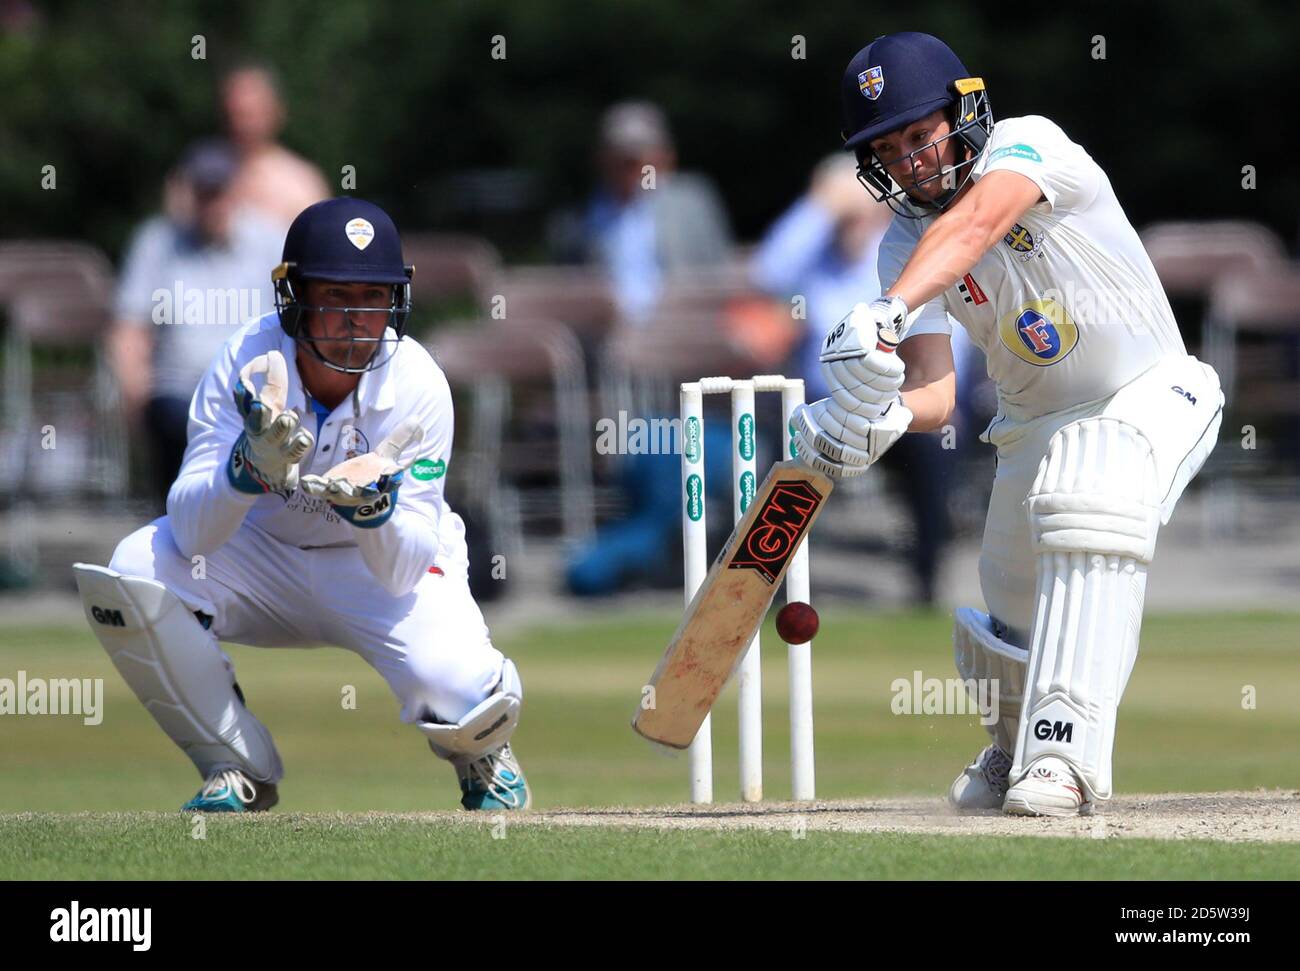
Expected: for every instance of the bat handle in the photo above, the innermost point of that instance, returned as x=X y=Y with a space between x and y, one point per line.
x=888 y=338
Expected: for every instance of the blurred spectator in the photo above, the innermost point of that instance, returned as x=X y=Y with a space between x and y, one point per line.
x=646 y=221
x=643 y=548
x=823 y=249
x=190 y=278
x=271 y=179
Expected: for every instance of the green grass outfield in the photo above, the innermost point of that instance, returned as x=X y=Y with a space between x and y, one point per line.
x=329 y=846
x=1184 y=727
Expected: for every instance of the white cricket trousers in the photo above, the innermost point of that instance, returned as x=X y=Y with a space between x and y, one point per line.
x=1176 y=404
x=431 y=646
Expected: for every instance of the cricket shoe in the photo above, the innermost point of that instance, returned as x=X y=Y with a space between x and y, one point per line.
x=230 y=791
x=1049 y=788
x=493 y=781
x=982 y=784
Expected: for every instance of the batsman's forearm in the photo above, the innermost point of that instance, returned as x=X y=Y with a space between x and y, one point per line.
x=930 y=408
x=946 y=252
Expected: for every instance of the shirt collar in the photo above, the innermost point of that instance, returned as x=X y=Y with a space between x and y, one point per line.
x=373 y=392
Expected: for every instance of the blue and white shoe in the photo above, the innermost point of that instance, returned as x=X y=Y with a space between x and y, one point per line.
x=983 y=784
x=493 y=782
x=230 y=791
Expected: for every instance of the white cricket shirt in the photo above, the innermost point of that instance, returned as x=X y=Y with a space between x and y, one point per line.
x=204 y=509
x=1067 y=307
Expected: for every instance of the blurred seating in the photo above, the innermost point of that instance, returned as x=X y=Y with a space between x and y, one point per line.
x=707 y=289
x=530 y=423
x=55 y=298
x=642 y=365
x=703 y=324
x=1261 y=303
x=1253 y=331
x=57 y=295
x=449 y=265
x=1192 y=257
x=578 y=297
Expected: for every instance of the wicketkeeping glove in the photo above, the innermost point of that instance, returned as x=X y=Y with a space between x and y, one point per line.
x=858 y=359
x=266 y=455
x=363 y=490
x=843 y=444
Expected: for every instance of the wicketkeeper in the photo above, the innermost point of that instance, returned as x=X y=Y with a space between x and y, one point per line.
x=309 y=510
x=1103 y=417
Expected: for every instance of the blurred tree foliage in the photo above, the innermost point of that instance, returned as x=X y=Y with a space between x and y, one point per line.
x=409 y=94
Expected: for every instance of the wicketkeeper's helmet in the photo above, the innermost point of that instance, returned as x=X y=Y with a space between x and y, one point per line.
x=346 y=241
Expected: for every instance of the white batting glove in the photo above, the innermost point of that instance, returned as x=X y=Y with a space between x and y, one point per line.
x=858 y=359
x=842 y=444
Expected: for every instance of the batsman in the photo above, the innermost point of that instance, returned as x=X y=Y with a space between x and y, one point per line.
x=309 y=510
x=1103 y=418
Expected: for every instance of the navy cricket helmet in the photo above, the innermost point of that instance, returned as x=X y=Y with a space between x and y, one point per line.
x=899 y=79
x=343 y=241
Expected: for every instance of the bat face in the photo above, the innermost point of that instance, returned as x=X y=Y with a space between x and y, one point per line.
x=726 y=611
x=785 y=514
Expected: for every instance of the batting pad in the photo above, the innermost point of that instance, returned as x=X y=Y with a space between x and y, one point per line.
x=486 y=727
x=177 y=671
x=982 y=657
x=1094 y=512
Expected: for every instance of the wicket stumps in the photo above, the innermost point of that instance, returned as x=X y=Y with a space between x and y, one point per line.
x=744 y=482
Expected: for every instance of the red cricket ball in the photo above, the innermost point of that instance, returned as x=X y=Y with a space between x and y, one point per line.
x=797 y=623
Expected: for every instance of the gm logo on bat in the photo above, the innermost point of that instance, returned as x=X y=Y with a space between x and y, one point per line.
x=777 y=529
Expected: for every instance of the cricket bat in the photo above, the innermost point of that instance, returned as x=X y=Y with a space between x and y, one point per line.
x=730 y=604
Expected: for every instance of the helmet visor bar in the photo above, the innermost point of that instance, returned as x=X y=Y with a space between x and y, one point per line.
x=973 y=125
x=350 y=352
x=876 y=176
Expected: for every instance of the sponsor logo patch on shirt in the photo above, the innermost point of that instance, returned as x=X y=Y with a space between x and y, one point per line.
x=1040 y=333
x=1025 y=243
x=353 y=442
x=1019 y=151
x=426 y=469
x=970 y=291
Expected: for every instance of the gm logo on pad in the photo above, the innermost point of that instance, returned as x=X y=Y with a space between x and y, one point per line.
x=1039 y=333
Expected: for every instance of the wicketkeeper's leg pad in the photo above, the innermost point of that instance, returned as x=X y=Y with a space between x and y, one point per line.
x=178 y=671
x=983 y=657
x=486 y=727
x=1094 y=512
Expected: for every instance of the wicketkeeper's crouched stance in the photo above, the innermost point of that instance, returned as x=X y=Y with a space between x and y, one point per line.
x=285 y=527
x=1103 y=417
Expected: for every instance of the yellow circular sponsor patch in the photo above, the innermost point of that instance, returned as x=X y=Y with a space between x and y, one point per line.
x=1039 y=333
